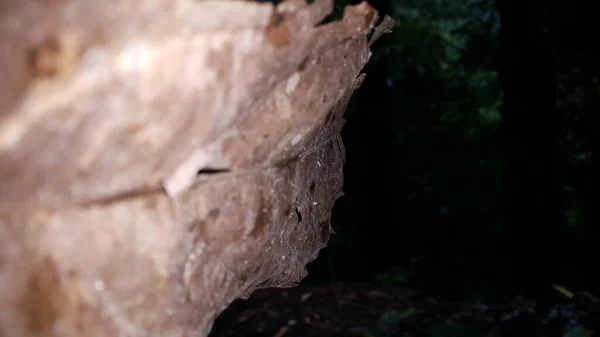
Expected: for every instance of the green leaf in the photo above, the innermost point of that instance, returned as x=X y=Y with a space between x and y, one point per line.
x=406 y=314
x=568 y=294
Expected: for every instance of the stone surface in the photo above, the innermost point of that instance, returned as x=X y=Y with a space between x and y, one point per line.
x=160 y=159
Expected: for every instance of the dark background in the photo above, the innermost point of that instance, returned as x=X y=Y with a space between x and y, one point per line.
x=469 y=171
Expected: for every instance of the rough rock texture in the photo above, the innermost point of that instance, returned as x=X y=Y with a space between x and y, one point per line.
x=108 y=111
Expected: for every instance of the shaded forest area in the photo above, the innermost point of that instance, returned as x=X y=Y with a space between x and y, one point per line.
x=469 y=173
x=469 y=166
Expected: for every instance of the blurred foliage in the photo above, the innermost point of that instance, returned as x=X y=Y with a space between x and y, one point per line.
x=425 y=201
x=438 y=100
x=397 y=275
x=578 y=332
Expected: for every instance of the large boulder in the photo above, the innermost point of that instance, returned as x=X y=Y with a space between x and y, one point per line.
x=159 y=159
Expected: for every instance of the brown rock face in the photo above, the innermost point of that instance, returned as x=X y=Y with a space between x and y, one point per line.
x=159 y=159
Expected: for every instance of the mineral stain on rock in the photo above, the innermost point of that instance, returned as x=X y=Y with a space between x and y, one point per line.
x=214 y=213
x=197 y=228
x=54 y=56
x=264 y=217
x=44 y=301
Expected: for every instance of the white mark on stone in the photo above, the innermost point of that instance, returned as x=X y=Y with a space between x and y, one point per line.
x=185 y=175
x=134 y=57
x=99 y=285
x=292 y=83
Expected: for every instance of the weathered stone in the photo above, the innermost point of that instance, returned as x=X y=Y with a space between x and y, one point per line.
x=108 y=111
